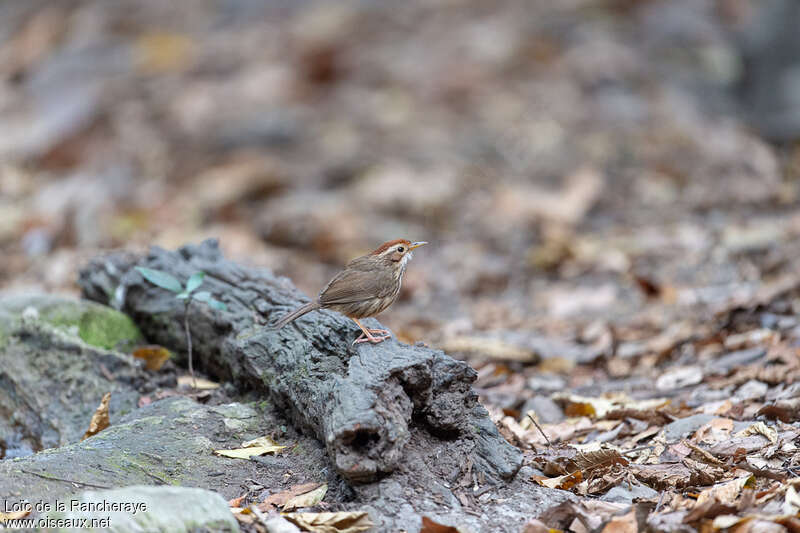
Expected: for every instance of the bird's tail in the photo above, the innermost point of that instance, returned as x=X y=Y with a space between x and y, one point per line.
x=297 y=313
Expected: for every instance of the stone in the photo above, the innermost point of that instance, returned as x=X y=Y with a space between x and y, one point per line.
x=166 y=509
x=55 y=366
x=547 y=411
x=628 y=492
x=683 y=427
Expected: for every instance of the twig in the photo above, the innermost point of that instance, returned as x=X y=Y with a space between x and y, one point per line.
x=634 y=450
x=660 y=501
x=54 y=478
x=706 y=456
x=189 y=340
x=535 y=423
x=769 y=474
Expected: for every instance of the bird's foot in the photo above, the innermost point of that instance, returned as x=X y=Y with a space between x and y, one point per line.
x=382 y=332
x=366 y=337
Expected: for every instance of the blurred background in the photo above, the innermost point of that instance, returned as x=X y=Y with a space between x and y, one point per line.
x=574 y=163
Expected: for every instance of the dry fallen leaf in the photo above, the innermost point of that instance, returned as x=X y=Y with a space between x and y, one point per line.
x=13 y=515
x=526 y=432
x=342 y=522
x=154 y=356
x=308 y=499
x=598 y=407
x=564 y=482
x=491 y=348
x=791 y=503
x=622 y=524
x=160 y=51
x=584 y=516
x=536 y=526
x=759 y=428
x=202 y=384
x=279 y=499
x=679 y=377
x=665 y=476
x=754 y=523
x=784 y=410
x=243 y=516
x=237 y=502
x=100 y=420
x=431 y=526
x=259 y=446
x=727 y=492
x=598 y=461
x=719 y=429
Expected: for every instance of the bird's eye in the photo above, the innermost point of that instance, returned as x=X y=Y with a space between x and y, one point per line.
x=401 y=249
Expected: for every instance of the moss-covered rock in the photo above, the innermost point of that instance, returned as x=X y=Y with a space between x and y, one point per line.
x=169 y=443
x=55 y=366
x=93 y=323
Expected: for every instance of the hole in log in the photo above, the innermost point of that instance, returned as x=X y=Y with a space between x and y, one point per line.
x=363 y=438
x=419 y=416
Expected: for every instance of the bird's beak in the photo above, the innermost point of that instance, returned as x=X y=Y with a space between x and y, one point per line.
x=417 y=244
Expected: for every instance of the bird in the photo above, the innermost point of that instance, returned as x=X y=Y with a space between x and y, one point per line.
x=366 y=287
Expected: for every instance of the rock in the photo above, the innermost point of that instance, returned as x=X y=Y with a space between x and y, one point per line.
x=277 y=524
x=752 y=390
x=55 y=367
x=627 y=492
x=95 y=324
x=546 y=382
x=679 y=377
x=547 y=411
x=670 y=522
x=725 y=363
x=169 y=442
x=686 y=426
x=173 y=509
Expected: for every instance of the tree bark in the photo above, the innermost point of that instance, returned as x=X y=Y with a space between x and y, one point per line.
x=368 y=403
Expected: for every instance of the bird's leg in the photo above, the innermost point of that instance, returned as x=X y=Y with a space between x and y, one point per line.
x=367 y=335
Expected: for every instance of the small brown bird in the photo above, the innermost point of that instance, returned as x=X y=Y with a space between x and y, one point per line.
x=366 y=287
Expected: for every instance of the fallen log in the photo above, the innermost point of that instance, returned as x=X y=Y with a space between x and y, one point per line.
x=365 y=402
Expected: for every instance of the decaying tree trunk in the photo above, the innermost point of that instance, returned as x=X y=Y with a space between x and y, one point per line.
x=365 y=402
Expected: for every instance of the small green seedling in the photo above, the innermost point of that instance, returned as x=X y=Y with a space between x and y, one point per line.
x=187 y=294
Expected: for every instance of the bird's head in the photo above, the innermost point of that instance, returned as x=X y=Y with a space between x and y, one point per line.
x=397 y=251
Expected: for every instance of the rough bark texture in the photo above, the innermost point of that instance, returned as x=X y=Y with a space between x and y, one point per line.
x=365 y=402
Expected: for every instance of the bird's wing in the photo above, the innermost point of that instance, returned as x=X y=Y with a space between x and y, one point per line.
x=350 y=286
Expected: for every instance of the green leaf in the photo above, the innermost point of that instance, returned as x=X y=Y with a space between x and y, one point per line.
x=202 y=296
x=216 y=304
x=160 y=279
x=195 y=281
x=183 y=295
x=205 y=296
